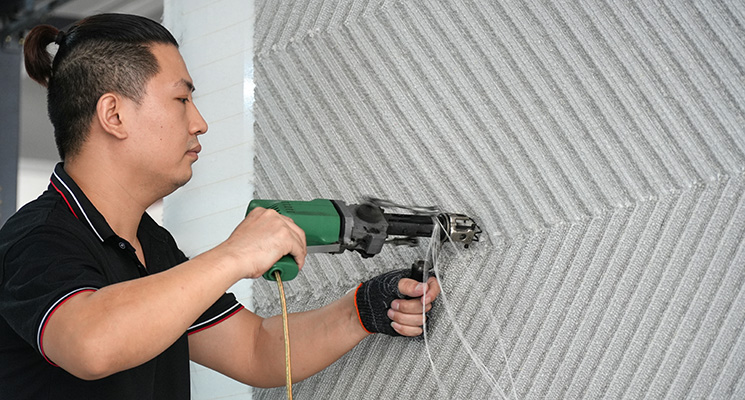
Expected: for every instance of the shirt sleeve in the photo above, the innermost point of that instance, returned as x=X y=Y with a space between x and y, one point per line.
x=40 y=274
x=224 y=308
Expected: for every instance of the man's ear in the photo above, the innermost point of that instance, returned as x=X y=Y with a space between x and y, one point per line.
x=107 y=112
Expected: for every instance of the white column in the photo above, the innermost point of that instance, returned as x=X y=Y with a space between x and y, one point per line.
x=216 y=41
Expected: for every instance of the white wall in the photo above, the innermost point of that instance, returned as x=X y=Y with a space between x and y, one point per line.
x=216 y=41
x=33 y=179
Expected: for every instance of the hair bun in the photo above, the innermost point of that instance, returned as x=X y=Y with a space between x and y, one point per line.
x=60 y=38
x=36 y=57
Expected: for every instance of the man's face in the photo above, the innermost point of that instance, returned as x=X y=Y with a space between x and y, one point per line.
x=165 y=125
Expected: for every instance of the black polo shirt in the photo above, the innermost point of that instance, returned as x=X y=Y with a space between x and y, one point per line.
x=55 y=247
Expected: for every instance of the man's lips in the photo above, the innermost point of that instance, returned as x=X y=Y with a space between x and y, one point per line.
x=195 y=150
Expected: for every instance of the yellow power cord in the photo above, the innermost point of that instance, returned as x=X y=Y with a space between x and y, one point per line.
x=288 y=366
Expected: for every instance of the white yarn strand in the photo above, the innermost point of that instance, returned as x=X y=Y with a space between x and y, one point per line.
x=450 y=315
x=482 y=368
x=432 y=254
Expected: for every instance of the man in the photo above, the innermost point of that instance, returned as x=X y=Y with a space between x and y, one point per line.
x=96 y=300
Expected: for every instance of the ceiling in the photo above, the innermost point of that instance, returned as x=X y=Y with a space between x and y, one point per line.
x=36 y=133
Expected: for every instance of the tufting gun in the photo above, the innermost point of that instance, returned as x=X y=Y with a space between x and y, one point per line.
x=332 y=226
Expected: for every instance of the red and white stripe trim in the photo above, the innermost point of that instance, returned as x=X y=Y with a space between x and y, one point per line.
x=50 y=311
x=80 y=208
x=216 y=319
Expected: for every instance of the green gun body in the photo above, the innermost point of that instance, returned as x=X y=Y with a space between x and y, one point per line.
x=318 y=218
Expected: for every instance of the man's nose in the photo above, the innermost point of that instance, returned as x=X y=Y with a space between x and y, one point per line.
x=198 y=125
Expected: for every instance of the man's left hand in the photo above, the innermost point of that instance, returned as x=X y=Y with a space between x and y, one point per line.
x=392 y=303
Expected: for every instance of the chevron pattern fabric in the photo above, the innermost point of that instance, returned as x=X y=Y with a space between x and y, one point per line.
x=599 y=144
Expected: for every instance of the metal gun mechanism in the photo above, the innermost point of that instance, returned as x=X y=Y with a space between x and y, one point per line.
x=460 y=228
x=366 y=226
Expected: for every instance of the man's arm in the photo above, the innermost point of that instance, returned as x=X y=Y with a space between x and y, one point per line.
x=95 y=334
x=250 y=349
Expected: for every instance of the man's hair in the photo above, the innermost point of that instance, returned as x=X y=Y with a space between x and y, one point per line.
x=105 y=53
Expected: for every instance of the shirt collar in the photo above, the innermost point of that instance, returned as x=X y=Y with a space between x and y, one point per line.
x=79 y=204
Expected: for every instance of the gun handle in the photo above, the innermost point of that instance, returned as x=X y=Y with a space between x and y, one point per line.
x=287 y=268
x=417 y=270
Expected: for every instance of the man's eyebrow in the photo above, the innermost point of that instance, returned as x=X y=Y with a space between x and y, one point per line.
x=184 y=82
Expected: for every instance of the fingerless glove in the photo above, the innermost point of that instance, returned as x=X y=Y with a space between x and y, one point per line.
x=373 y=299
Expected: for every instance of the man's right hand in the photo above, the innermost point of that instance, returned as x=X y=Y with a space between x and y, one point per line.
x=262 y=238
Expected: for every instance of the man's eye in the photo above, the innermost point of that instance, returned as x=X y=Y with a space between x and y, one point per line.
x=183 y=100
